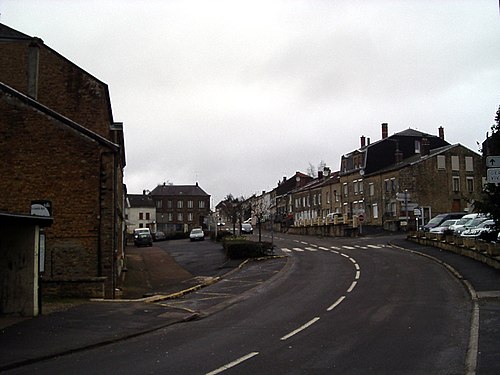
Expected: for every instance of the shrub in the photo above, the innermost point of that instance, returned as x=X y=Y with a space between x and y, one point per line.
x=239 y=248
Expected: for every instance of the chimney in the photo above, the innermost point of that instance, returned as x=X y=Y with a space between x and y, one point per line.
x=284 y=178
x=385 y=130
x=441 y=132
x=368 y=141
x=144 y=192
x=320 y=175
x=363 y=141
x=425 y=147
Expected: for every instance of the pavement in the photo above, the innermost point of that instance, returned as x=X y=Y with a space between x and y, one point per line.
x=157 y=292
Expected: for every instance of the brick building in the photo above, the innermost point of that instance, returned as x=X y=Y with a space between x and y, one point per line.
x=59 y=142
x=437 y=177
x=179 y=208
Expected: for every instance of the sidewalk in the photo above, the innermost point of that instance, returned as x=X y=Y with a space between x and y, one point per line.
x=91 y=324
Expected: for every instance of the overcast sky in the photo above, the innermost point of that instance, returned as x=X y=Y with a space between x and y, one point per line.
x=237 y=94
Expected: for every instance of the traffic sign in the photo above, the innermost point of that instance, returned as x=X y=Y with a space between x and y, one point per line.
x=493 y=175
x=361 y=218
x=493 y=161
x=403 y=196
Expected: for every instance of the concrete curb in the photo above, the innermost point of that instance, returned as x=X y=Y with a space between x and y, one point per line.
x=473 y=345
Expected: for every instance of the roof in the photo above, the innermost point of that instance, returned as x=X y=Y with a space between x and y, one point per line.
x=176 y=190
x=140 y=200
x=9 y=91
x=415 y=159
x=43 y=221
x=7 y=32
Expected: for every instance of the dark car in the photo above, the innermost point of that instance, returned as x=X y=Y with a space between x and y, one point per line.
x=439 y=219
x=159 y=236
x=143 y=239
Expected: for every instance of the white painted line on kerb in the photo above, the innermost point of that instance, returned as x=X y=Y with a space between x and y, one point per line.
x=232 y=364
x=352 y=286
x=323 y=248
x=336 y=303
x=304 y=243
x=344 y=255
x=352 y=260
x=301 y=328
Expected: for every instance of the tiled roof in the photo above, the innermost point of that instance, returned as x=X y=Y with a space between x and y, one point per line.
x=140 y=200
x=8 y=33
x=176 y=190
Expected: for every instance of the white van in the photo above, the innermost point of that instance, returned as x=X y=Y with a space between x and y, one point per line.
x=141 y=230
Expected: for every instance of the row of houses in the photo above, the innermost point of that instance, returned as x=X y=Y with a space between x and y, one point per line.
x=402 y=179
x=62 y=155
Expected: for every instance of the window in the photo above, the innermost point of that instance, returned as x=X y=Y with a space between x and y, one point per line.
x=386 y=183
x=355 y=186
x=441 y=162
x=328 y=197
x=455 y=163
x=190 y=216
x=141 y=225
x=190 y=204
x=169 y=204
x=179 y=204
x=345 y=189
x=170 y=217
x=375 y=211
x=470 y=184
x=417 y=147
x=456 y=183
x=159 y=204
x=141 y=216
x=179 y=216
x=371 y=189
x=469 y=164
x=393 y=184
x=360 y=186
x=201 y=204
x=319 y=198
x=148 y=216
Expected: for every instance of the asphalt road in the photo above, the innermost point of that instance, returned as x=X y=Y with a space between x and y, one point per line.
x=343 y=306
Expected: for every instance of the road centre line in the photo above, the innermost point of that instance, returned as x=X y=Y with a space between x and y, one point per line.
x=352 y=260
x=348 y=247
x=301 y=328
x=352 y=286
x=344 y=255
x=297 y=249
x=356 y=265
x=304 y=243
x=311 y=249
x=357 y=275
x=323 y=248
x=232 y=364
x=336 y=303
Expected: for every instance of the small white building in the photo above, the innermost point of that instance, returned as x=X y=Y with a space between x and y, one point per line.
x=140 y=212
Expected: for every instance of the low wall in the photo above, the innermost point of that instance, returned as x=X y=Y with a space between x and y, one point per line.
x=486 y=252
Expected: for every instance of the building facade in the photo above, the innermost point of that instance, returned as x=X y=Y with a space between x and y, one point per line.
x=140 y=212
x=180 y=208
x=59 y=142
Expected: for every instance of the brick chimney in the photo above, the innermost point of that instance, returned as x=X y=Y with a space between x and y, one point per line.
x=441 y=132
x=363 y=141
x=385 y=130
x=320 y=175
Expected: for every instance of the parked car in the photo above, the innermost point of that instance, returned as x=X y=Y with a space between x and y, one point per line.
x=487 y=226
x=143 y=239
x=159 y=236
x=439 y=219
x=197 y=234
x=246 y=228
x=471 y=224
x=464 y=220
x=444 y=227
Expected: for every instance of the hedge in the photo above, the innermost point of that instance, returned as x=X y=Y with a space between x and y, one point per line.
x=238 y=248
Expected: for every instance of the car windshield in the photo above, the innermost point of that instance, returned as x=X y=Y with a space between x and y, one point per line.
x=435 y=221
x=447 y=223
x=475 y=222
x=463 y=221
x=196 y=231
